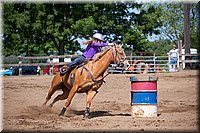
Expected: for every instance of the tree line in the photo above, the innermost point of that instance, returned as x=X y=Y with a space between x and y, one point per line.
x=42 y=28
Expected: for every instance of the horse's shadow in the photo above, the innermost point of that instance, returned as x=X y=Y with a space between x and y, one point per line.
x=99 y=113
x=106 y=113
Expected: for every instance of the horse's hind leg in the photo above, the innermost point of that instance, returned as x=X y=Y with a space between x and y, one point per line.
x=62 y=96
x=50 y=93
x=56 y=82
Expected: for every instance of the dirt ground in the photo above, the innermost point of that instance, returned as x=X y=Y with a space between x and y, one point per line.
x=111 y=110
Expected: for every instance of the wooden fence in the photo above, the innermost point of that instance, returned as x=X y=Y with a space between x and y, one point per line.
x=153 y=62
x=44 y=62
x=35 y=61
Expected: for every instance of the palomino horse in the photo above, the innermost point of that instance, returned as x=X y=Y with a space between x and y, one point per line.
x=87 y=78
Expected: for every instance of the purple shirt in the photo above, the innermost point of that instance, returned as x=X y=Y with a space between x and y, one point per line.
x=92 y=49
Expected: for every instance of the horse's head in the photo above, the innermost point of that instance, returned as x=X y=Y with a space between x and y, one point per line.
x=119 y=55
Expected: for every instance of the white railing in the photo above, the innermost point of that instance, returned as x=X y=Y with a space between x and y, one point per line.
x=156 y=63
x=46 y=62
x=143 y=64
x=153 y=62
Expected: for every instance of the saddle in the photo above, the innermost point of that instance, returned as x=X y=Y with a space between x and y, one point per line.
x=68 y=70
x=63 y=70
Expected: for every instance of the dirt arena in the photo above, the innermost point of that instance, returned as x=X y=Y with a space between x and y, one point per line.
x=110 y=110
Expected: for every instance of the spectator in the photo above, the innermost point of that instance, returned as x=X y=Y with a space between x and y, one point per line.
x=173 y=58
x=38 y=70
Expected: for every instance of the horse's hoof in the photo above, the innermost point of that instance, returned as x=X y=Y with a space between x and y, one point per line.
x=87 y=117
x=62 y=112
x=50 y=106
x=44 y=104
x=61 y=116
x=87 y=113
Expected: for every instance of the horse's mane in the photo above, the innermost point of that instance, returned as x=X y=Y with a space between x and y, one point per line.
x=99 y=55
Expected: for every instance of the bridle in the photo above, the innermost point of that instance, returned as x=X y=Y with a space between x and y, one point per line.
x=114 y=50
x=115 y=54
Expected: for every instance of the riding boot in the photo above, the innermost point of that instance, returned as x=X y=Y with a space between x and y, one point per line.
x=63 y=70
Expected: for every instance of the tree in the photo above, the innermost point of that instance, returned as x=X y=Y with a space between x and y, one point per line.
x=144 y=23
x=23 y=29
x=173 y=22
x=40 y=28
x=162 y=45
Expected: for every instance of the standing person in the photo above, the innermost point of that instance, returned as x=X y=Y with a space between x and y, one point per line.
x=173 y=58
x=38 y=70
x=50 y=61
x=93 y=47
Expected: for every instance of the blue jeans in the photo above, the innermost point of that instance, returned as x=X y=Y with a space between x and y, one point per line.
x=77 y=61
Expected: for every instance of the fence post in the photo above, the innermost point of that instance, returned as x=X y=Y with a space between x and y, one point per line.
x=180 y=65
x=154 y=61
x=131 y=58
x=20 y=65
x=51 y=65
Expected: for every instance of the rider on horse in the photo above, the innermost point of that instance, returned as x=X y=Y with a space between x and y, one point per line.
x=93 y=47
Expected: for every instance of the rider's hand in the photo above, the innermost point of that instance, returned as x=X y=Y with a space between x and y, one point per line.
x=110 y=44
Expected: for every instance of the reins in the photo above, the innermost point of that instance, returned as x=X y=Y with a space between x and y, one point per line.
x=102 y=79
x=114 y=50
x=116 y=55
x=93 y=79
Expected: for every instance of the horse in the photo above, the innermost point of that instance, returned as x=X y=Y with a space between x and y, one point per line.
x=87 y=79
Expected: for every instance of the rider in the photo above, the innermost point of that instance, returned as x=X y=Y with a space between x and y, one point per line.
x=93 y=47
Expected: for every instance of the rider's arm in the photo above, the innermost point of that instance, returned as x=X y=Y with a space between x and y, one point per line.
x=101 y=44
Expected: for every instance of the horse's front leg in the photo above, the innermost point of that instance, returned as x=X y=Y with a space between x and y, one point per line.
x=90 y=96
x=69 y=98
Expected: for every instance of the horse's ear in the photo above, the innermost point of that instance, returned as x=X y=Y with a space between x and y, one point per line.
x=121 y=45
x=114 y=44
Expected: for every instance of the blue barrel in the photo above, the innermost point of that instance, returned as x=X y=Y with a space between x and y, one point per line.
x=144 y=97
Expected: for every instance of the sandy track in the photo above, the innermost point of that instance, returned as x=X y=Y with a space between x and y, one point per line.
x=111 y=109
